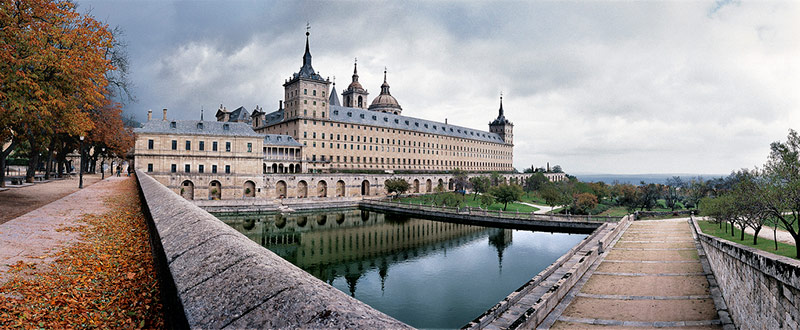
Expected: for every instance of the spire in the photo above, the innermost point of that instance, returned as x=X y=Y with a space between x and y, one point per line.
x=307 y=55
x=385 y=85
x=501 y=106
x=355 y=70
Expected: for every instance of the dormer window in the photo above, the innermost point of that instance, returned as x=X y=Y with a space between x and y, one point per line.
x=426 y=125
x=335 y=112
x=173 y=125
x=416 y=124
x=226 y=127
x=386 y=119
x=362 y=116
x=396 y=121
x=349 y=114
x=199 y=125
x=406 y=122
x=374 y=117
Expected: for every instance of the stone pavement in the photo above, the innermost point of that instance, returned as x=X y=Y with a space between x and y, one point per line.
x=542 y=208
x=652 y=277
x=19 y=200
x=36 y=236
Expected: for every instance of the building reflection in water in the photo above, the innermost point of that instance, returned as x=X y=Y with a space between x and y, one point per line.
x=351 y=243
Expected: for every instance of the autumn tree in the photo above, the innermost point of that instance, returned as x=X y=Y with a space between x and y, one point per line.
x=52 y=68
x=584 y=203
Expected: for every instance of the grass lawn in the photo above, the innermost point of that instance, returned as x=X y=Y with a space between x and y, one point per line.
x=468 y=201
x=713 y=229
x=533 y=198
x=616 y=211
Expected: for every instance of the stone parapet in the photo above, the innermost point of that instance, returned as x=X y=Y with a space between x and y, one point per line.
x=761 y=289
x=223 y=279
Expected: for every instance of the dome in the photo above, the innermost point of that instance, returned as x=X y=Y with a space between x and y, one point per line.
x=385 y=102
x=355 y=85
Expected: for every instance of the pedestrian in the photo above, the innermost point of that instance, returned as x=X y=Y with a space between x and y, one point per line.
x=119 y=169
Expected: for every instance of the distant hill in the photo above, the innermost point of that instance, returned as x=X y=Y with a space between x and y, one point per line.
x=637 y=178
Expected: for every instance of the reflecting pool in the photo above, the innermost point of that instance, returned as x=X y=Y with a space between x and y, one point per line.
x=428 y=274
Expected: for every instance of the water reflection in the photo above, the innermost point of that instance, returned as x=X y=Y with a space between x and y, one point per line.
x=425 y=273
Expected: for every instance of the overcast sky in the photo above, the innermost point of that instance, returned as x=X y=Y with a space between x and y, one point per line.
x=597 y=87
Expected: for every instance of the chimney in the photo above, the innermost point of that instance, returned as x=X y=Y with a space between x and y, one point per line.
x=280 y=104
x=548 y=167
x=150 y=115
x=165 y=114
x=445 y=120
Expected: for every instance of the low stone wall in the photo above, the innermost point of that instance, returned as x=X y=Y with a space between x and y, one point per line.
x=223 y=279
x=761 y=290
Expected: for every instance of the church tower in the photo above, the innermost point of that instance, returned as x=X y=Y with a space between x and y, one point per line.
x=305 y=93
x=355 y=96
x=501 y=126
x=385 y=102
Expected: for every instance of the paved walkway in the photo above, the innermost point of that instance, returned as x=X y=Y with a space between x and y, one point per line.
x=36 y=236
x=17 y=201
x=652 y=277
x=542 y=208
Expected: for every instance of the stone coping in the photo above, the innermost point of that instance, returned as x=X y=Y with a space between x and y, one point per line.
x=223 y=279
x=784 y=269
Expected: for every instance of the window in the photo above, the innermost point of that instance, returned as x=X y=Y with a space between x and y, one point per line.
x=200 y=168
x=226 y=127
x=213 y=168
x=150 y=144
x=227 y=146
x=214 y=146
x=188 y=145
x=305 y=134
x=305 y=92
x=314 y=93
x=174 y=144
x=173 y=125
x=202 y=145
x=174 y=168
x=187 y=168
x=249 y=147
x=227 y=169
x=149 y=167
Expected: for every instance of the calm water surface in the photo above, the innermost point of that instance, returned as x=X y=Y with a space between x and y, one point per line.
x=428 y=274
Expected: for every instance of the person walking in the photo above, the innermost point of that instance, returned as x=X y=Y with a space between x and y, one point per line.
x=119 y=169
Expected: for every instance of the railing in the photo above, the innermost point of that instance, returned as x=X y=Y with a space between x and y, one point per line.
x=278 y=157
x=492 y=213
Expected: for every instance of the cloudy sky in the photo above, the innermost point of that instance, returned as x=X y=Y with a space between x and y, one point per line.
x=597 y=87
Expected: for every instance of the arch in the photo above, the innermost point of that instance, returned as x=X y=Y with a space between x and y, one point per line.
x=215 y=190
x=280 y=168
x=302 y=189
x=265 y=168
x=187 y=190
x=249 y=189
x=322 y=219
x=298 y=169
x=291 y=168
x=340 y=218
x=450 y=184
x=360 y=102
x=280 y=189
x=302 y=221
x=416 y=186
x=274 y=168
x=322 y=188
x=280 y=221
x=340 y=188
x=365 y=188
x=440 y=184
x=428 y=186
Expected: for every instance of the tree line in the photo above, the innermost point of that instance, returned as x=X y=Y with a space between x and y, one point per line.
x=63 y=75
x=769 y=195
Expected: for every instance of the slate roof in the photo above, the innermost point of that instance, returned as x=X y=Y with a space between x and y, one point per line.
x=334 y=99
x=280 y=140
x=388 y=120
x=197 y=127
x=240 y=114
x=306 y=71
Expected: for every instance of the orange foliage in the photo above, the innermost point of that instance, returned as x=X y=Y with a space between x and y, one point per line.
x=107 y=280
x=110 y=131
x=52 y=66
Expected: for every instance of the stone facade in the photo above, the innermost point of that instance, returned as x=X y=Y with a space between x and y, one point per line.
x=761 y=290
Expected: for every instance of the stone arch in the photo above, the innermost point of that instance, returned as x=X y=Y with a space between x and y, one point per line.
x=450 y=185
x=340 y=218
x=280 y=221
x=428 y=186
x=215 y=190
x=322 y=219
x=360 y=102
x=264 y=168
x=187 y=190
x=322 y=188
x=280 y=189
x=302 y=221
x=416 y=186
x=340 y=188
x=440 y=184
x=274 y=168
x=249 y=189
x=365 y=188
x=280 y=168
x=302 y=189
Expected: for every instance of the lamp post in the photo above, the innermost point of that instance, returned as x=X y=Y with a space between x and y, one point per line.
x=103 y=164
x=80 y=182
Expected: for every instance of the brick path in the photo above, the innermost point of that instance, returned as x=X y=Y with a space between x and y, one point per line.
x=651 y=278
x=35 y=237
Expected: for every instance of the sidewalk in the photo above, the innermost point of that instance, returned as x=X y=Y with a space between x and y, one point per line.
x=36 y=236
x=542 y=208
x=15 y=202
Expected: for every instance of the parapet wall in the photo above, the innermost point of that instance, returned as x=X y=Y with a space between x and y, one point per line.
x=223 y=279
x=761 y=290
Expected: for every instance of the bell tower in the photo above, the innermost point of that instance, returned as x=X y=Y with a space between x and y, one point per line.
x=305 y=93
x=501 y=126
x=355 y=96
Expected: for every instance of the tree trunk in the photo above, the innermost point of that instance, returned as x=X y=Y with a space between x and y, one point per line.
x=755 y=235
x=775 y=236
x=3 y=155
x=741 y=230
x=49 y=166
x=32 y=163
x=505 y=206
